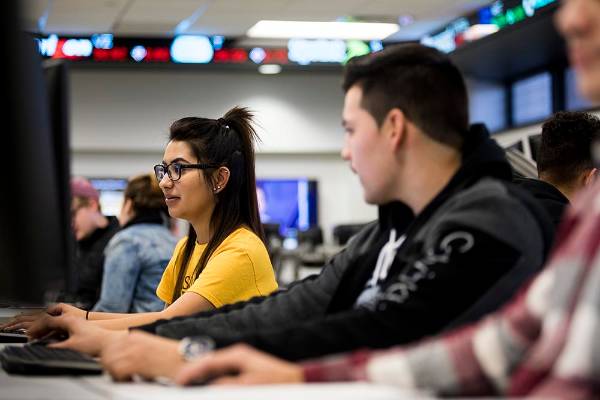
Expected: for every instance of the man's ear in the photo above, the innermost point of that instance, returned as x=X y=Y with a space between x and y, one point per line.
x=94 y=204
x=590 y=176
x=396 y=124
x=221 y=179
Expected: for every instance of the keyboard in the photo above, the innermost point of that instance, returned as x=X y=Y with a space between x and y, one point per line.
x=12 y=337
x=37 y=359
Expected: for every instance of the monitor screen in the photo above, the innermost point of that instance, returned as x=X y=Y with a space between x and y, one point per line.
x=487 y=104
x=531 y=99
x=574 y=101
x=111 y=194
x=291 y=203
x=33 y=215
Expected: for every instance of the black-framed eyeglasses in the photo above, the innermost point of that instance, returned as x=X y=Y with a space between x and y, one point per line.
x=173 y=170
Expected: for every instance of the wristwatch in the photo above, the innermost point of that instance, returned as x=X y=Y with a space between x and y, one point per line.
x=191 y=348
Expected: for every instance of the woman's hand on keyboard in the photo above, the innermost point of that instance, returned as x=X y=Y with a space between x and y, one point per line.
x=65 y=309
x=84 y=336
x=21 y=321
x=24 y=321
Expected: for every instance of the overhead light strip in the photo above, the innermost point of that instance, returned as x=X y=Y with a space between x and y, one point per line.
x=321 y=30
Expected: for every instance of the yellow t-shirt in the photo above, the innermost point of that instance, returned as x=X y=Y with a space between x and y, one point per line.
x=238 y=269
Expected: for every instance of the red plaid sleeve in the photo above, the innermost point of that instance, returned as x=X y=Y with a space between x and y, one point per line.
x=345 y=367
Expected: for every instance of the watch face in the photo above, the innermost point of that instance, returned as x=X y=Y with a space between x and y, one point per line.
x=191 y=348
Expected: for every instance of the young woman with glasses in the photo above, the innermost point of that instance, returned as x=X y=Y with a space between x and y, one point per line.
x=207 y=177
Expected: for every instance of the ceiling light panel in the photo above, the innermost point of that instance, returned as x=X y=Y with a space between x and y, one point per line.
x=321 y=30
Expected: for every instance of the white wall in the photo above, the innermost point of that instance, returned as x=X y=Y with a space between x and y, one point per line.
x=120 y=120
x=131 y=109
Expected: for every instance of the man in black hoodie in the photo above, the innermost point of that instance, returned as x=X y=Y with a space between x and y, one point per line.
x=564 y=160
x=452 y=242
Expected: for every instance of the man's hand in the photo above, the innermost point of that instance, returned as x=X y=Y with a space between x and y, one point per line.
x=141 y=354
x=240 y=365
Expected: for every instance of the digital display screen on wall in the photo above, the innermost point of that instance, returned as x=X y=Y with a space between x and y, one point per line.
x=573 y=99
x=487 y=104
x=531 y=99
x=291 y=203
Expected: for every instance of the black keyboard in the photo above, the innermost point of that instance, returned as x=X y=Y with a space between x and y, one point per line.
x=37 y=359
x=12 y=337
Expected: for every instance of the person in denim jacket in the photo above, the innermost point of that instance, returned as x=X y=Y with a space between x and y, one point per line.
x=136 y=256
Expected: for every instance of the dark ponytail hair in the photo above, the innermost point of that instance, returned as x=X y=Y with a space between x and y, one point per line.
x=225 y=142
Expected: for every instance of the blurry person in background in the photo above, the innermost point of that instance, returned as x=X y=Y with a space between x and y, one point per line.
x=564 y=160
x=137 y=255
x=92 y=232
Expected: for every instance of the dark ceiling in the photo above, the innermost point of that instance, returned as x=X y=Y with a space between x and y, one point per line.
x=531 y=45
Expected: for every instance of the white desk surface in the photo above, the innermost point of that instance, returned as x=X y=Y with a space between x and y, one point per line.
x=14 y=387
x=17 y=387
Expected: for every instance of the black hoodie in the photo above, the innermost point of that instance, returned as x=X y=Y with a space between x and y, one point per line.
x=549 y=196
x=463 y=256
x=89 y=264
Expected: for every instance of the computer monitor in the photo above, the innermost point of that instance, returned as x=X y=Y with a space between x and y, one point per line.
x=34 y=207
x=111 y=191
x=291 y=203
x=487 y=104
x=57 y=91
x=574 y=101
x=531 y=99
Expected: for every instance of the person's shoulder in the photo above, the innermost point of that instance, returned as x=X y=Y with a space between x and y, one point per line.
x=242 y=240
x=485 y=194
x=150 y=229
x=488 y=201
x=243 y=236
x=493 y=206
x=143 y=231
x=122 y=236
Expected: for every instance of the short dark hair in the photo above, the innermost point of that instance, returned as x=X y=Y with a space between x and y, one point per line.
x=420 y=81
x=565 y=148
